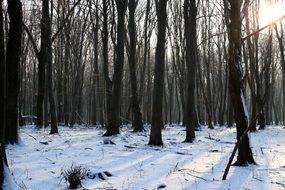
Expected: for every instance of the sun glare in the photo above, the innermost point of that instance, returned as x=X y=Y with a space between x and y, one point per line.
x=268 y=13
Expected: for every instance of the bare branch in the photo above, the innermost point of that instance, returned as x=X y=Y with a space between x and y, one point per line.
x=31 y=38
x=259 y=30
x=64 y=21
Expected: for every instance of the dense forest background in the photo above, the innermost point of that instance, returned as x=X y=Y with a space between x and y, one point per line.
x=82 y=75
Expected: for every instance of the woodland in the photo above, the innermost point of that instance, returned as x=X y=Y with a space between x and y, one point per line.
x=141 y=67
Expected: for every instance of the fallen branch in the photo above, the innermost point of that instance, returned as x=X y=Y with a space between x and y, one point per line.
x=197 y=177
x=31 y=136
x=237 y=146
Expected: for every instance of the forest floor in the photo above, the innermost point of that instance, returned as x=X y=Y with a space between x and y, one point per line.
x=37 y=163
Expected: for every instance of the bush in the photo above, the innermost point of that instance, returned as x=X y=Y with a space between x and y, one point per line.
x=74 y=175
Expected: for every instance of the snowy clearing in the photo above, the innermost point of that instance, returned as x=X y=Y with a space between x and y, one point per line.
x=37 y=163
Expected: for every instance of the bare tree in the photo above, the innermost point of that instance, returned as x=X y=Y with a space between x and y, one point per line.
x=157 y=106
x=137 y=115
x=280 y=37
x=114 y=122
x=47 y=19
x=190 y=13
x=12 y=69
x=2 y=97
x=245 y=156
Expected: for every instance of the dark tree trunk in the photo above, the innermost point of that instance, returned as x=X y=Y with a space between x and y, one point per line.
x=267 y=84
x=95 y=85
x=105 y=39
x=245 y=156
x=157 y=106
x=280 y=37
x=12 y=69
x=252 y=73
x=137 y=115
x=190 y=13
x=114 y=122
x=65 y=78
x=142 y=77
x=2 y=97
x=42 y=59
x=53 y=118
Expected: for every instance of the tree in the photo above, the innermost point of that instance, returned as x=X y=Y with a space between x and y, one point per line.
x=114 y=120
x=105 y=41
x=157 y=105
x=137 y=115
x=190 y=13
x=2 y=97
x=95 y=78
x=47 y=22
x=12 y=69
x=245 y=156
x=280 y=37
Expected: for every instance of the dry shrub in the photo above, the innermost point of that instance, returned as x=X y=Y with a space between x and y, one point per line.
x=74 y=175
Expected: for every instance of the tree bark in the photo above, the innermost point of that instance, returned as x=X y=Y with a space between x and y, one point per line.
x=157 y=106
x=2 y=97
x=137 y=115
x=94 y=117
x=280 y=37
x=190 y=13
x=53 y=118
x=105 y=39
x=12 y=69
x=245 y=156
x=114 y=122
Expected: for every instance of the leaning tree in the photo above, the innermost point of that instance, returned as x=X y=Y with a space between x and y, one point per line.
x=234 y=8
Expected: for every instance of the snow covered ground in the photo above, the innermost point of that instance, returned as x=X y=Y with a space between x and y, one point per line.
x=37 y=163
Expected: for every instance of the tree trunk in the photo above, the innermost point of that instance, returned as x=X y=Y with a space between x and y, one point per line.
x=252 y=73
x=245 y=156
x=42 y=59
x=12 y=69
x=280 y=37
x=95 y=85
x=142 y=77
x=157 y=106
x=2 y=97
x=66 y=72
x=137 y=115
x=114 y=122
x=105 y=37
x=53 y=118
x=190 y=13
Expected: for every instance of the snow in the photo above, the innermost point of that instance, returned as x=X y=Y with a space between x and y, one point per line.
x=9 y=183
x=244 y=106
x=37 y=163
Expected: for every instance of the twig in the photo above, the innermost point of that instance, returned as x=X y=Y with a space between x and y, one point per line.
x=127 y=146
x=278 y=183
x=50 y=160
x=261 y=150
x=258 y=179
x=197 y=177
x=31 y=136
